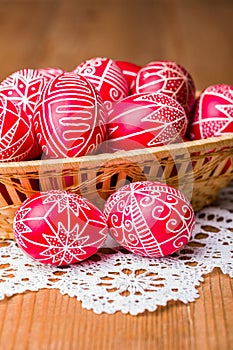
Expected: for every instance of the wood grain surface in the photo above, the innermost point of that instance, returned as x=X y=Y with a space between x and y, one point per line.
x=48 y=320
x=63 y=33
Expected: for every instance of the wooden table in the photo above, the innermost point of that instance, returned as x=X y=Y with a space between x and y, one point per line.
x=62 y=33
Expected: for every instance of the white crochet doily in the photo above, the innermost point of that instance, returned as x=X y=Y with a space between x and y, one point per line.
x=115 y=280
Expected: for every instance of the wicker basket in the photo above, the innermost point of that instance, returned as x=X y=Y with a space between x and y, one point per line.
x=198 y=168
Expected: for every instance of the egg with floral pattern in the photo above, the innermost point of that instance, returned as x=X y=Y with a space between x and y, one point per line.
x=145 y=120
x=213 y=113
x=169 y=78
x=23 y=88
x=59 y=228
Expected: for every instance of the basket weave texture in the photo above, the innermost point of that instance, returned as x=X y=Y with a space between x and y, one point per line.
x=198 y=168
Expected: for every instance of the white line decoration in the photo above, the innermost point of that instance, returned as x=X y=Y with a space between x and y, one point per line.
x=115 y=280
x=23 y=88
x=130 y=70
x=59 y=227
x=169 y=78
x=213 y=114
x=70 y=119
x=150 y=219
x=145 y=120
x=107 y=78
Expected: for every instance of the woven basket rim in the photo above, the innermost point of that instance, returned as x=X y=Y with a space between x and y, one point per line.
x=89 y=159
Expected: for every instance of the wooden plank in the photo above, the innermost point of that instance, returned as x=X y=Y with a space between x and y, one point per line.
x=48 y=320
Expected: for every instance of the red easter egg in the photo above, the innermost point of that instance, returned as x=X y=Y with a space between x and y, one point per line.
x=70 y=118
x=16 y=135
x=145 y=120
x=49 y=73
x=130 y=70
x=167 y=77
x=23 y=88
x=107 y=78
x=213 y=113
x=59 y=228
x=149 y=218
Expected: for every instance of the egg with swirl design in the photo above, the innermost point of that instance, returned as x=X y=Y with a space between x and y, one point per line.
x=149 y=218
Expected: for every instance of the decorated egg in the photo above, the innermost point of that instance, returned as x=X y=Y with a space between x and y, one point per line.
x=107 y=78
x=167 y=77
x=149 y=218
x=58 y=227
x=130 y=70
x=16 y=135
x=23 y=88
x=70 y=118
x=213 y=113
x=145 y=120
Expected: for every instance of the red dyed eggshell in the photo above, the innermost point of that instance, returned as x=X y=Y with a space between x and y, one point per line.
x=16 y=135
x=145 y=120
x=169 y=78
x=70 y=118
x=59 y=228
x=213 y=113
x=23 y=88
x=107 y=78
x=149 y=219
x=130 y=70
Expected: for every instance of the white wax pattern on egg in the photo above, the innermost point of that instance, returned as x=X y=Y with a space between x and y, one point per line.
x=59 y=228
x=70 y=118
x=150 y=219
